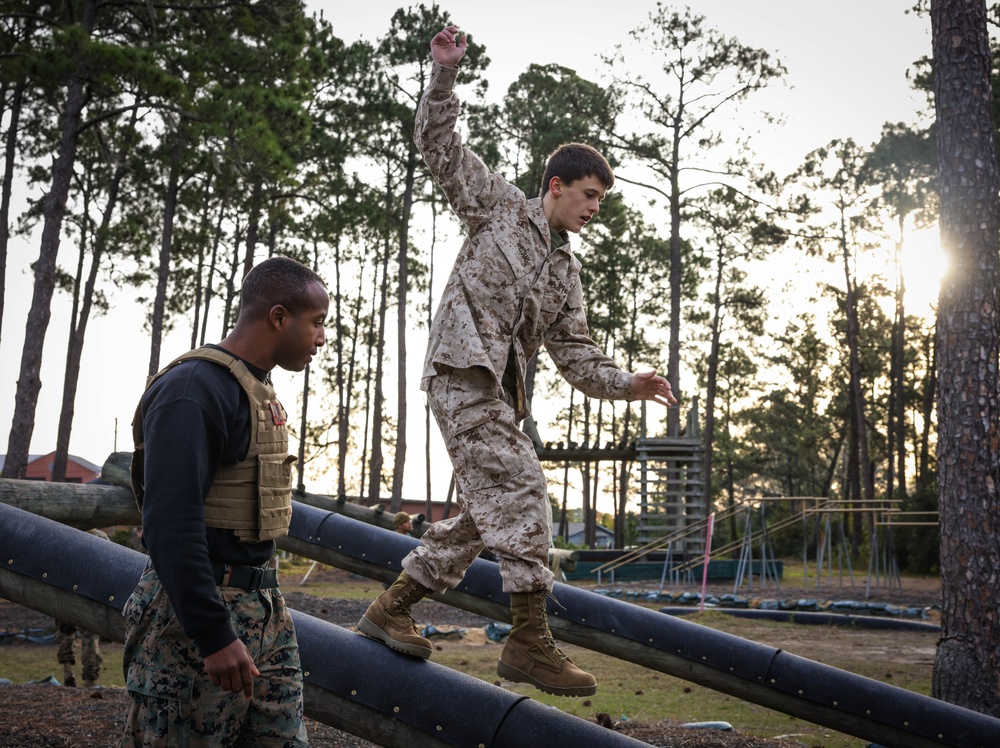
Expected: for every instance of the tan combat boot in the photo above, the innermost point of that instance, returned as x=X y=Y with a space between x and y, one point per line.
x=388 y=618
x=531 y=655
x=68 y=679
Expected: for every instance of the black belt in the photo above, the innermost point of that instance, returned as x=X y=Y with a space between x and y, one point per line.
x=250 y=578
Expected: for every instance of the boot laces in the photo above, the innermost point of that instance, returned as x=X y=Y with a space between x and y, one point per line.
x=407 y=616
x=404 y=603
x=546 y=636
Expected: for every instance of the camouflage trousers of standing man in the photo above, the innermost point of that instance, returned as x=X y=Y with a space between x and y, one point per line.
x=502 y=492
x=172 y=700
x=90 y=653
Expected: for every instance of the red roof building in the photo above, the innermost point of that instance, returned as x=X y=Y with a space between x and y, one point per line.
x=78 y=470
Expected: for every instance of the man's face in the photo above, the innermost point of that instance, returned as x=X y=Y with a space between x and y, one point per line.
x=303 y=333
x=575 y=203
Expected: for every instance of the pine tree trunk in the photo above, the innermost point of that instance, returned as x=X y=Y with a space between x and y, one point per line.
x=200 y=285
x=71 y=381
x=210 y=274
x=399 y=459
x=303 y=425
x=29 y=382
x=79 y=321
x=429 y=506
x=968 y=655
x=676 y=271
x=563 y=514
x=899 y=374
x=624 y=468
x=375 y=469
x=166 y=247
x=339 y=384
x=860 y=474
x=253 y=228
x=928 y=397
x=346 y=400
x=61 y=455
x=10 y=154
x=712 y=384
x=370 y=346
x=228 y=313
x=591 y=529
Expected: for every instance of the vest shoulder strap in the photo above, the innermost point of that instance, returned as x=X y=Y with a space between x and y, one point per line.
x=256 y=390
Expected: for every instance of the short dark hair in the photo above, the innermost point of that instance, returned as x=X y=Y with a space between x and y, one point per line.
x=572 y=161
x=276 y=280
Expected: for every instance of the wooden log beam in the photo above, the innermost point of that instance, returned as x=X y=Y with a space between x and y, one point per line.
x=88 y=614
x=89 y=505
x=83 y=506
x=351 y=717
x=116 y=470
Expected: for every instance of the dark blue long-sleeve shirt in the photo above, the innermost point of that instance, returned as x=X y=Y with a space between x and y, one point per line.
x=196 y=417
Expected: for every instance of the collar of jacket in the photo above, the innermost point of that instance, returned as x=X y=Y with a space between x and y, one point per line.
x=537 y=216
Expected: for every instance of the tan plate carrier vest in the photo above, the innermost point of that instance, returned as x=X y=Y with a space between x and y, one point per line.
x=252 y=497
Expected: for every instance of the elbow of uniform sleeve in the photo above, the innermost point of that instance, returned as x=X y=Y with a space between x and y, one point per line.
x=594 y=375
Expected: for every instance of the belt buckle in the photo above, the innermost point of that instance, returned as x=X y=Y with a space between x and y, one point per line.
x=256 y=579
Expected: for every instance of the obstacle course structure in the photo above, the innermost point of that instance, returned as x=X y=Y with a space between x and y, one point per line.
x=351 y=683
x=35 y=547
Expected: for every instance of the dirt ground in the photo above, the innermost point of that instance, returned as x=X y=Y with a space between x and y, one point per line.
x=85 y=718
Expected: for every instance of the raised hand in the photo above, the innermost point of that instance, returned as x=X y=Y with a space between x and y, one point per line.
x=444 y=48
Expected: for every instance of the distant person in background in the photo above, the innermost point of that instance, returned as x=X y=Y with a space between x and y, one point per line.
x=403 y=523
x=135 y=539
x=90 y=646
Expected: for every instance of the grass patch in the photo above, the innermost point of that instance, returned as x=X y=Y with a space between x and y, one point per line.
x=627 y=691
x=23 y=663
x=297 y=573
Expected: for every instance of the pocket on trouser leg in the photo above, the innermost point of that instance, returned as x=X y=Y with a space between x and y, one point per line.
x=160 y=709
x=486 y=458
x=275 y=716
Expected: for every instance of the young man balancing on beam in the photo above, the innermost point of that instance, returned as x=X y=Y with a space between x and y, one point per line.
x=515 y=286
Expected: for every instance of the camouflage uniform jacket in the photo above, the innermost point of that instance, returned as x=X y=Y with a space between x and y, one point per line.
x=510 y=291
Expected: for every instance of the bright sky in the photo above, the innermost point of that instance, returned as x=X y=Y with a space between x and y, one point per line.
x=847 y=63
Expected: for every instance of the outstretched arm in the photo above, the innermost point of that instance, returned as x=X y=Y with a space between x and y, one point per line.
x=647 y=386
x=444 y=48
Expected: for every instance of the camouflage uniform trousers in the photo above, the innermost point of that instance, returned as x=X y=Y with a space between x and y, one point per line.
x=502 y=496
x=172 y=699
x=90 y=650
